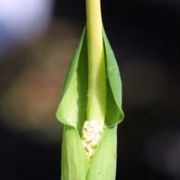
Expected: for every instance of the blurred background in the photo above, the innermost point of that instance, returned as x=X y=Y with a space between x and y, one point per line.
x=37 y=40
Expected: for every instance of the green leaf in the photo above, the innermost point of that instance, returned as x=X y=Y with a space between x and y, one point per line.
x=72 y=112
x=74 y=160
x=103 y=165
x=114 y=112
x=73 y=107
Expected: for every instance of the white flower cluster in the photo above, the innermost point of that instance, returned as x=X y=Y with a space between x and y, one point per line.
x=91 y=135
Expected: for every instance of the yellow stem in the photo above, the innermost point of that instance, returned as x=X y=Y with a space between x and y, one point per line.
x=96 y=104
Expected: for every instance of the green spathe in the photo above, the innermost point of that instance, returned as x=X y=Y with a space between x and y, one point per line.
x=73 y=106
x=72 y=112
x=72 y=109
x=76 y=166
x=74 y=161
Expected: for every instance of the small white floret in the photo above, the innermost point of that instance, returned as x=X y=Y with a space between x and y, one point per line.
x=91 y=135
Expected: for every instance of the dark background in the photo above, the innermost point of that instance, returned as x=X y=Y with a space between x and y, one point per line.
x=145 y=37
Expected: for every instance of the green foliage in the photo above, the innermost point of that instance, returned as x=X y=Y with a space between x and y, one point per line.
x=73 y=107
x=74 y=160
x=72 y=112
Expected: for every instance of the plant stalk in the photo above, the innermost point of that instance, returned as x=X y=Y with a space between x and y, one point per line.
x=96 y=104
